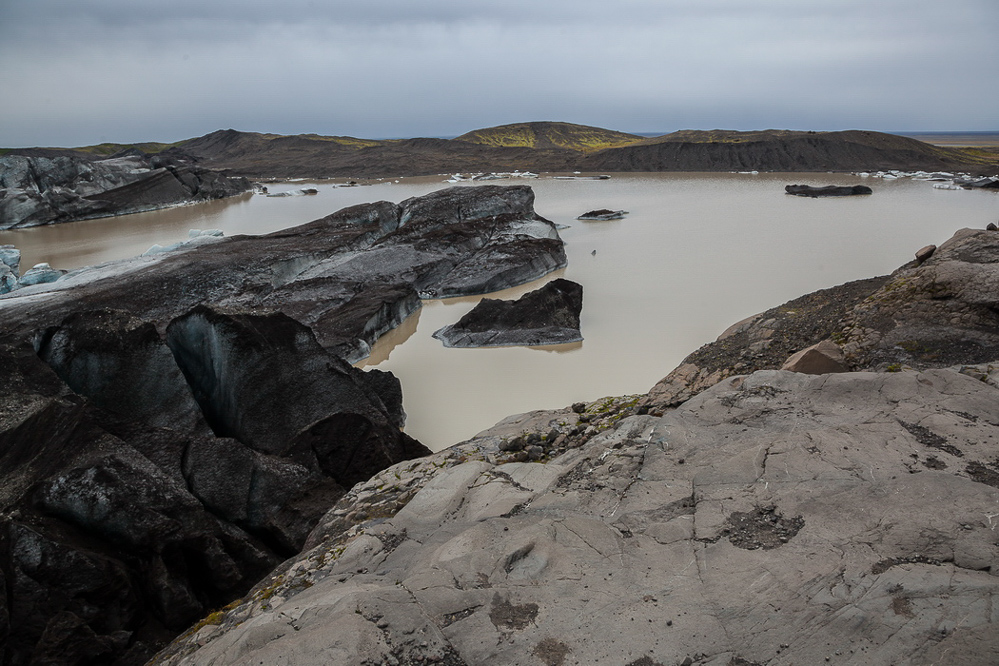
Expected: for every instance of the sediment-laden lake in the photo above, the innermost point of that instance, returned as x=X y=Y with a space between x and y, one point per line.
x=696 y=253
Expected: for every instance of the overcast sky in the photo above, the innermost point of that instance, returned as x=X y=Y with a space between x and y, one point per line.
x=87 y=71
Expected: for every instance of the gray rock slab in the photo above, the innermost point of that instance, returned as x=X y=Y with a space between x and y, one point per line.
x=776 y=518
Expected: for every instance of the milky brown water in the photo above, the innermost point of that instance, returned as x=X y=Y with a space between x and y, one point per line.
x=696 y=253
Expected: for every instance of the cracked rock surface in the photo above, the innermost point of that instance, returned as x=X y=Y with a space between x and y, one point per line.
x=776 y=518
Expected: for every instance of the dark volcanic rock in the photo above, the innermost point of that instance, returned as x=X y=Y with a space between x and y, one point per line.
x=602 y=214
x=262 y=379
x=40 y=190
x=827 y=190
x=120 y=363
x=122 y=524
x=545 y=316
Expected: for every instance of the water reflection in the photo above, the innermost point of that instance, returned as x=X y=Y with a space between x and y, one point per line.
x=383 y=347
x=564 y=348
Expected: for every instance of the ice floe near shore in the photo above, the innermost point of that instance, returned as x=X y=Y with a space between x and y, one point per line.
x=943 y=180
x=502 y=175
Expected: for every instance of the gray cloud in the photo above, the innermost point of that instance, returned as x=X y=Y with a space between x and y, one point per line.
x=118 y=70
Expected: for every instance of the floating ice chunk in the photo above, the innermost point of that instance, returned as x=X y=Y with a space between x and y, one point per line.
x=8 y=280
x=194 y=233
x=10 y=256
x=39 y=274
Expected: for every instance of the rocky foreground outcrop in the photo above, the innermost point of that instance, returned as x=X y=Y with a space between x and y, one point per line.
x=770 y=517
x=39 y=190
x=173 y=426
x=778 y=518
x=548 y=315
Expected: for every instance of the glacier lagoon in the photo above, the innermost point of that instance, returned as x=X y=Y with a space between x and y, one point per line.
x=695 y=253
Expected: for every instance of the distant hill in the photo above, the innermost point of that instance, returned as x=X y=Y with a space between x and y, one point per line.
x=264 y=155
x=552 y=146
x=783 y=150
x=581 y=138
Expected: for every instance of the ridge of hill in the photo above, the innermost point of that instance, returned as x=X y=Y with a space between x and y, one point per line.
x=554 y=146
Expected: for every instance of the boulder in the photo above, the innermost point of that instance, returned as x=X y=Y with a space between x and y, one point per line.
x=762 y=341
x=546 y=316
x=924 y=253
x=819 y=359
x=933 y=313
x=827 y=190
